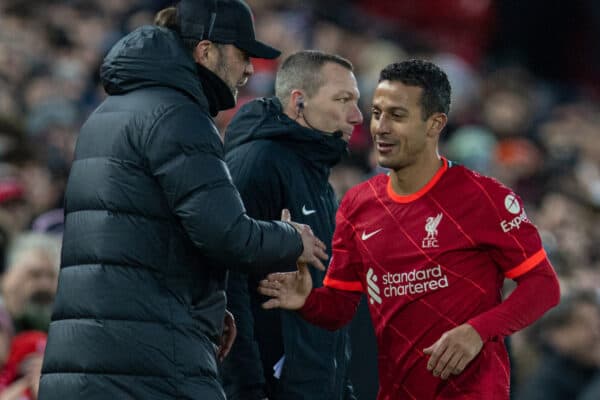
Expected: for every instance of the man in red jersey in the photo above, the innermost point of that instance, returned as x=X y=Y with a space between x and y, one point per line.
x=430 y=244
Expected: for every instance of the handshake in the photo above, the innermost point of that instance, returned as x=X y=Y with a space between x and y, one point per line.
x=313 y=249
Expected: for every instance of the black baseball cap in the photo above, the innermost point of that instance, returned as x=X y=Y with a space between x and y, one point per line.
x=222 y=21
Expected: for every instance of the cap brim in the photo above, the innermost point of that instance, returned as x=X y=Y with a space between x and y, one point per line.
x=258 y=49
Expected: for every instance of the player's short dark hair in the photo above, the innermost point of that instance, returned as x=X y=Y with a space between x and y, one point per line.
x=301 y=70
x=427 y=76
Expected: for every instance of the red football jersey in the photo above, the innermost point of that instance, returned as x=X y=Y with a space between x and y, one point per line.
x=429 y=262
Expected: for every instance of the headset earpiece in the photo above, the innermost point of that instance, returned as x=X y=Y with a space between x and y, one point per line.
x=300 y=102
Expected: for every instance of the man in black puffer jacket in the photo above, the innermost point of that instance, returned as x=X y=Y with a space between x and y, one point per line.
x=280 y=151
x=153 y=219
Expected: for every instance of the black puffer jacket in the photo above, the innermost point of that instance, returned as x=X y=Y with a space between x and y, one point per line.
x=152 y=222
x=276 y=163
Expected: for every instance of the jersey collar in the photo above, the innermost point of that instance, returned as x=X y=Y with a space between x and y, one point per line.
x=414 y=196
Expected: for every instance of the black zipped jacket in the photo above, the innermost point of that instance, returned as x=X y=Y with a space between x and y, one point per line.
x=277 y=163
x=153 y=220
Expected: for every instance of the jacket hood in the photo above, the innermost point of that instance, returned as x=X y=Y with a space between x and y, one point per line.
x=264 y=119
x=155 y=56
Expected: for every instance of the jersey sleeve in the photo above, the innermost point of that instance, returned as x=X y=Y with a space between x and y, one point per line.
x=523 y=306
x=329 y=308
x=344 y=266
x=505 y=229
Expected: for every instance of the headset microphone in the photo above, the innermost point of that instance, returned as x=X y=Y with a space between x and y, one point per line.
x=300 y=105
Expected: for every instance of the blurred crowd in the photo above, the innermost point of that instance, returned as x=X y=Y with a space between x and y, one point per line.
x=525 y=110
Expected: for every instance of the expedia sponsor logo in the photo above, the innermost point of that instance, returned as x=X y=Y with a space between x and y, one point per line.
x=514 y=223
x=512 y=204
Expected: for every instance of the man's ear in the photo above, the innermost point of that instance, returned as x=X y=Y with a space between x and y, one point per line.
x=436 y=123
x=292 y=108
x=297 y=99
x=201 y=52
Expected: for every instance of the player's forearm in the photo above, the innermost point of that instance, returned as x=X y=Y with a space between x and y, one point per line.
x=536 y=293
x=330 y=308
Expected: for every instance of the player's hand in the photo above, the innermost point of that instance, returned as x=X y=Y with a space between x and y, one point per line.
x=453 y=351
x=314 y=249
x=228 y=336
x=288 y=290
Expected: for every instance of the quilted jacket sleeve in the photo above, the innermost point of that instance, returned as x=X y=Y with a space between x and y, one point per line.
x=185 y=154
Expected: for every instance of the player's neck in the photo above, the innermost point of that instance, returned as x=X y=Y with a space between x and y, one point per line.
x=410 y=179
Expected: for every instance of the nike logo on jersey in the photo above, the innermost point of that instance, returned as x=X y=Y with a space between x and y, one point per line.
x=306 y=211
x=366 y=235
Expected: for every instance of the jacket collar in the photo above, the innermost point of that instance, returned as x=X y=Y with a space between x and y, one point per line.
x=217 y=93
x=264 y=119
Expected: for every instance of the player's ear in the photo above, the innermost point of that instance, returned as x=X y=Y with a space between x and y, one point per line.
x=436 y=123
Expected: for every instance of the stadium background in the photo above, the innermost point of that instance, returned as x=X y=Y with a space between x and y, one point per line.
x=526 y=84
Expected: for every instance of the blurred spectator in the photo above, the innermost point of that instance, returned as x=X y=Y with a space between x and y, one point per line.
x=4 y=239
x=13 y=148
x=517 y=163
x=570 y=137
x=462 y=27
x=568 y=227
x=508 y=102
x=14 y=211
x=23 y=367
x=30 y=280
x=44 y=186
x=474 y=147
x=6 y=335
x=569 y=337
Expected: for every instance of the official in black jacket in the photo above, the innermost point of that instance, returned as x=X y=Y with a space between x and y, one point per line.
x=280 y=151
x=153 y=218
